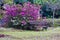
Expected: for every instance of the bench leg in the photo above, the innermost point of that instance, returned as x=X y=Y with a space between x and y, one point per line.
x=44 y=28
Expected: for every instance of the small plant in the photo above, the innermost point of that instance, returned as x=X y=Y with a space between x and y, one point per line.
x=2 y=35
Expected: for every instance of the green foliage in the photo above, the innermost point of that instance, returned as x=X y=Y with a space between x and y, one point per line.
x=1 y=13
x=57 y=23
x=46 y=1
x=19 y=1
x=22 y=1
x=1 y=16
x=8 y=1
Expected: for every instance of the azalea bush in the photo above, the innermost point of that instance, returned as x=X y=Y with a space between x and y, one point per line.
x=27 y=10
x=20 y=15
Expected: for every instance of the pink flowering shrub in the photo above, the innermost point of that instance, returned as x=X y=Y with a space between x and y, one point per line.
x=26 y=12
x=12 y=10
x=31 y=11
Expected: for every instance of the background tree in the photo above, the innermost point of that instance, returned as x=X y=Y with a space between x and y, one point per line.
x=22 y=1
x=48 y=6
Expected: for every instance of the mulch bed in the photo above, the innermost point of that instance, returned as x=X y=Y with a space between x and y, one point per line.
x=2 y=35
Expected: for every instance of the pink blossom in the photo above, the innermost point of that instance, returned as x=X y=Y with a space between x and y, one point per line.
x=23 y=22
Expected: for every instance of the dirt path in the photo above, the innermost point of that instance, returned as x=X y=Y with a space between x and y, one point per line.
x=54 y=36
x=51 y=37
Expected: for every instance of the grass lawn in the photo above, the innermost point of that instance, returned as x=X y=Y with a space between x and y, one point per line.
x=31 y=34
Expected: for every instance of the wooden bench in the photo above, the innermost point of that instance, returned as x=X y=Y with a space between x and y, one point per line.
x=39 y=25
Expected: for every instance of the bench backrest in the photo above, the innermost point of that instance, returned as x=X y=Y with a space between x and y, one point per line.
x=40 y=23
